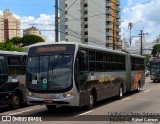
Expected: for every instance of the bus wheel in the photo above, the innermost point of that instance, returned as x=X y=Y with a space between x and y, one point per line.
x=16 y=101
x=120 y=94
x=154 y=81
x=51 y=107
x=91 y=101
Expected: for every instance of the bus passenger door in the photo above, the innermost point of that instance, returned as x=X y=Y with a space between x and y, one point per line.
x=128 y=72
x=82 y=76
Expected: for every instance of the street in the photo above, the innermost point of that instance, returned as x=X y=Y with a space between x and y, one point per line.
x=146 y=101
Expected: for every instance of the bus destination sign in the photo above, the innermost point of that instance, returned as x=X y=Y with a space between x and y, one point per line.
x=51 y=49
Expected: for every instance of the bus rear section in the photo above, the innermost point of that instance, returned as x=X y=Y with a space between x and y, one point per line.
x=135 y=68
x=12 y=78
x=50 y=77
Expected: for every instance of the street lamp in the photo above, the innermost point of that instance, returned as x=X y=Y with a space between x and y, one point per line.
x=130 y=26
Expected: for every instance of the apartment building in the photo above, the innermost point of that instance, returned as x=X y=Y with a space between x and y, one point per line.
x=9 y=25
x=94 y=22
x=34 y=31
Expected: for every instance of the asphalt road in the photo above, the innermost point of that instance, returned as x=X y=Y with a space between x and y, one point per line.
x=146 y=101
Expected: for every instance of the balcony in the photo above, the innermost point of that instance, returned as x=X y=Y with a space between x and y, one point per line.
x=118 y=2
x=118 y=23
x=108 y=19
x=109 y=26
x=108 y=12
x=119 y=43
x=118 y=16
x=118 y=30
x=118 y=9
x=118 y=36
x=109 y=34
x=109 y=41
x=109 y=4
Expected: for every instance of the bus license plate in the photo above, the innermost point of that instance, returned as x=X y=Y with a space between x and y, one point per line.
x=48 y=101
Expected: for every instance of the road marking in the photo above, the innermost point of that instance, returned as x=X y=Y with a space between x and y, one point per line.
x=147 y=91
x=84 y=113
x=126 y=98
x=21 y=112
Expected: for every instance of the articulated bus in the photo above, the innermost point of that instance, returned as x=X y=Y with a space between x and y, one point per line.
x=155 y=70
x=73 y=74
x=12 y=78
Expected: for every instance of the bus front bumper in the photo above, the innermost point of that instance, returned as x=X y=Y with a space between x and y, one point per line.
x=69 y=101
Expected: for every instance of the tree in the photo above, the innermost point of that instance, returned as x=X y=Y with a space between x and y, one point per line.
x=156 y=50
x=147 y=60
x=16 y=41
x=31 y=39
x=10 y=47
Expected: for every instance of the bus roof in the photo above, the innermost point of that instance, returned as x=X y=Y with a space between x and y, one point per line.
x=81 y=45
x=13 y=53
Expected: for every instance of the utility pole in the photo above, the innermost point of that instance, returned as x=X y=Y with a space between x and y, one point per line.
x=130 y=25
x=114 y=44
x=141 y=35
x=56 y=21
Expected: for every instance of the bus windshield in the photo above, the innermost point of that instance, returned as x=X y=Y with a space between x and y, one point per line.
x=52 y=72
x=155 y=68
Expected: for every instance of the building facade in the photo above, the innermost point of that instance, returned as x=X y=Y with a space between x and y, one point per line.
x=94 y=22
x=9 y=25
x=33 y=31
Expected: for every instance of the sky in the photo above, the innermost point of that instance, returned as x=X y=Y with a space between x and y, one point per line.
x=40 y=13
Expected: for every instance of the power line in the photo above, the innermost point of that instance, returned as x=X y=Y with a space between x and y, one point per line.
x=68 y=8
x=78 y=33
x=80 y=38
x=81 y=22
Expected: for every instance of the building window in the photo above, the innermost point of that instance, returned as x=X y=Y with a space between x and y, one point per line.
x=85 y=5
x=86 y=33
x=85 y=26
x=85 y=19
x=85 y=12
x=86 y=40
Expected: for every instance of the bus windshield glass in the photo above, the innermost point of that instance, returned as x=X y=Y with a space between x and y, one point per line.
x=155 y=67
x=50 y=72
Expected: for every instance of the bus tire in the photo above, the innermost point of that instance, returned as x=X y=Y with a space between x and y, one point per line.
x=91 y=101
x=16 y=100
x=51 y=107
x=154 y=81
x=120 y=94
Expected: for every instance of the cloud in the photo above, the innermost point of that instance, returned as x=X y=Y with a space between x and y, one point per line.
x=1 y=13
x=44 y=23
x=148 y=12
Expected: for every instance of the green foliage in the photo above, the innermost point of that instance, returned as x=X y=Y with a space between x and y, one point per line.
x=156 y=49
x=31 y=39
x=16 y=43
x=147 y=60
x=10 y=47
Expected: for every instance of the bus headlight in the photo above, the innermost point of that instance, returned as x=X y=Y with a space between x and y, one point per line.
x=68 y=94
x=29 y=93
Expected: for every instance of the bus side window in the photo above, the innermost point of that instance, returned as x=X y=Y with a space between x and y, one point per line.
x=24 y=61
x=3 y=72
x=14 y=65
